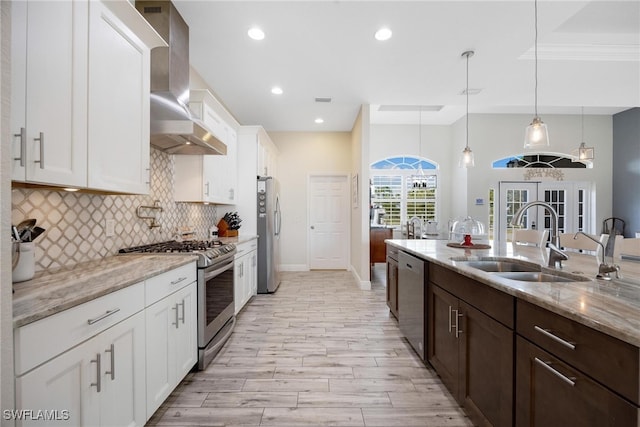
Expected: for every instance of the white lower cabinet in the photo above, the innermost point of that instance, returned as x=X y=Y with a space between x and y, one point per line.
x=245 y=273
x=110 y=361
x=172 y=348
x=101 y=382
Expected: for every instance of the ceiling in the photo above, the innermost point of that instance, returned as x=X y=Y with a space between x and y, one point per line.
x=588 y=56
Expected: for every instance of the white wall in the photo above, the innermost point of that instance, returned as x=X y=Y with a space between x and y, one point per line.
x=299 y=155
x=6 y=312
x=493 y=136
x=436 y=141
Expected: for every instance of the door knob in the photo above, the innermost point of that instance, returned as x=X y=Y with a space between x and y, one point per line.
x=312 y=227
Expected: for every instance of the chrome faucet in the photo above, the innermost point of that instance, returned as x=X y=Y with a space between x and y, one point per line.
x=556 y=255
x=604 y=269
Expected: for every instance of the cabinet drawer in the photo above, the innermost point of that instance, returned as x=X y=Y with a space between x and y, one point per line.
x=167 y=283
x=550 y=392
x=608 y=360
x=490 y=301
x=40 y=341
x=246 y=247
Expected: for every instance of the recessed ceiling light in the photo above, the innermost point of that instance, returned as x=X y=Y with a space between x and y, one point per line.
x=256 y=33
x=383 y=34
x=276 y=90
x=319 y=120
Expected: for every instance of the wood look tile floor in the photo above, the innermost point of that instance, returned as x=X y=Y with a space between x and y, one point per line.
x=318 y=352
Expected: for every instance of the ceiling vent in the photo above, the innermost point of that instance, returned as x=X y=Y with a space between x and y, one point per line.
x=326 y=99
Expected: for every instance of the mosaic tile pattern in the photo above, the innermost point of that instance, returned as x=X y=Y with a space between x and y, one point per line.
x=75 y=222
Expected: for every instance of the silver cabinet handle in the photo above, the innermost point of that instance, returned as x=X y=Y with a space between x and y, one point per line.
x=206 y=192
x=176 y=322
x=312 y=227
x=112 y=351
x=98 y=383
x=182 y=318
x=23 y=145
x=557 y=339
x=104 y=316
x=547 y=365
x=450 y=326
x=41 y=139
x=457 y=325
x=178 y=280
x=231 y=193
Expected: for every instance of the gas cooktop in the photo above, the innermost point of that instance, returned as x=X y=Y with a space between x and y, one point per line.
x=207 y=250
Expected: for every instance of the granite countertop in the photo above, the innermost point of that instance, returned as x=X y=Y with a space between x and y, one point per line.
x=53 y=291
x=238 y=239
x=610 y=307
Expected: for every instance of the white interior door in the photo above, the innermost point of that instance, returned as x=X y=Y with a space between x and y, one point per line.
x=328 y=222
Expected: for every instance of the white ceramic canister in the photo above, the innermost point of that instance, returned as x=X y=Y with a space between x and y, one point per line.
x=25 y=269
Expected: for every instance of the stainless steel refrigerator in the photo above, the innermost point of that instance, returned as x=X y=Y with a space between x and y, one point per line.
x=269 y=224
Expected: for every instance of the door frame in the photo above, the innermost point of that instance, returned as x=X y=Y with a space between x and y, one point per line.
x=346 y=213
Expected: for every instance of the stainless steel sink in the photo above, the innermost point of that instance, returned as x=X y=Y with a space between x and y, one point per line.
x=493 y=266
x=538 y=276
x=519 y=270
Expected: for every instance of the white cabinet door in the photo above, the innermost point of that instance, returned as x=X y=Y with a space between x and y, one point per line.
x=171 y=344
x=68 y=382
x=253 y=275
x=122 y=401
x=231 y=173
x=51 y=45
x=186 y=334
x=119 y=82
x=100 y=382
x=245 y=272
x=239 y=284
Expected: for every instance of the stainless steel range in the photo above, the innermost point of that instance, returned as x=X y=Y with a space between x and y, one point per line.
x=215 y=289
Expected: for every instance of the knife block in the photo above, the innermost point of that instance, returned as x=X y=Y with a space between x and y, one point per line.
x=224 y=230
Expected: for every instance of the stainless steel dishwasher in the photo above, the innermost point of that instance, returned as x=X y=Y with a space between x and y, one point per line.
x=411 y=297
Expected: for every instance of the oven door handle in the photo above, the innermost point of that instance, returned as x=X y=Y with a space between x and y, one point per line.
x=210 y=274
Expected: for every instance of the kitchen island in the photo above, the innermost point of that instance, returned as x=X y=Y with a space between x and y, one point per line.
x=530 y=353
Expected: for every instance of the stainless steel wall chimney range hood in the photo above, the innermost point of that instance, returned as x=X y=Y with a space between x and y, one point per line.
x=173 y=128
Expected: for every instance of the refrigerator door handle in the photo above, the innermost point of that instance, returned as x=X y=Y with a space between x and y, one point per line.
x=278 y=217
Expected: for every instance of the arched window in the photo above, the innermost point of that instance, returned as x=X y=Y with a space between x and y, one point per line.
x=540 y=160
x=406 y=187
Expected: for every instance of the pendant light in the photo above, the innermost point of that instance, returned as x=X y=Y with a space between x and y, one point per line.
x=466 y=157
x=583 y=153
x=419 y=180
x=536 y=134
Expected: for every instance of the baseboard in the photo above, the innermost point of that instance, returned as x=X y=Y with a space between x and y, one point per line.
x=294 y=267
x=365 y=285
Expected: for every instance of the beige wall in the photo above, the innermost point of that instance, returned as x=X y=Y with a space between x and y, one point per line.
x=299 y=155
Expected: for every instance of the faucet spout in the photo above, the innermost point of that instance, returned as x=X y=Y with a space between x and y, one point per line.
x=604 y=269
x=556 y=255
x=517 y=218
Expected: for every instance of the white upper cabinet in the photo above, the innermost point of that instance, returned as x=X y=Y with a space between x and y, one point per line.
x=81 y=120
x=49 y=85
x=119 y=84
x=208 y=178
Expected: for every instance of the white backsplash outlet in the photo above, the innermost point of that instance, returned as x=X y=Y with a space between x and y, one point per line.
x=76 y=223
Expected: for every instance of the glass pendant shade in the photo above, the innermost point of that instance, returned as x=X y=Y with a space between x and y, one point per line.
x=466 y=158
x=585 y=153
x=536 y=134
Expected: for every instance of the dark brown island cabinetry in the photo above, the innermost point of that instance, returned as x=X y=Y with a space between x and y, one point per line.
x=392 y=279
x=570 y=374
x=471 y=344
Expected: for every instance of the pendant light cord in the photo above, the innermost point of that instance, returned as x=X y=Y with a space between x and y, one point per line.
x=535 y=50
x=467 y=146
x=581 y=124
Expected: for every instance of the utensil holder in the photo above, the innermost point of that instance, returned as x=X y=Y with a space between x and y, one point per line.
x=25 y=268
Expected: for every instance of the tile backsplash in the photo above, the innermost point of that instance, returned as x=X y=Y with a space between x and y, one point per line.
x=75 y=223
